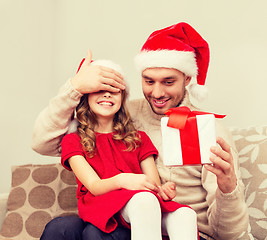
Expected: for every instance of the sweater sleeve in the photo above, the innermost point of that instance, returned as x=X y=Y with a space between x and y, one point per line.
x=227 y=213
x=53 y=122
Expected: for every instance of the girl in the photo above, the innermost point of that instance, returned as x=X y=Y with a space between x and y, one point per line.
x=117 y=178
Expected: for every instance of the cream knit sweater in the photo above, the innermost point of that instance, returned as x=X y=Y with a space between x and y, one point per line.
x=221 y=216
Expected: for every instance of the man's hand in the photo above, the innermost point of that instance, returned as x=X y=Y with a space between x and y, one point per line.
x=96 y=78
x=223 y=166
x=167 y=191
x=132 y=181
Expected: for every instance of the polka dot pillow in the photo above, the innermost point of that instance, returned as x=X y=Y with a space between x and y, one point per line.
x=38 y=194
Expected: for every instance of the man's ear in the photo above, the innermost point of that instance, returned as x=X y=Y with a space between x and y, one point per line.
x=187 y=80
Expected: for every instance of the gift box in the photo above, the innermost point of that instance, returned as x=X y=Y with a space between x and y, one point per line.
x=187 y=136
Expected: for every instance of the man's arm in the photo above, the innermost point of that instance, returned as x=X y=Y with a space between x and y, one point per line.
x=53 y=122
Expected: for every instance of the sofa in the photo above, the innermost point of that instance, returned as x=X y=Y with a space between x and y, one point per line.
x=42 y=192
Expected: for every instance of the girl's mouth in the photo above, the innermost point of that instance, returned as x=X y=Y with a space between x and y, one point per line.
x=106 y=103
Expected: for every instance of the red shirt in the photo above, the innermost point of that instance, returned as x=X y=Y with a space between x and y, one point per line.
x=109 y=160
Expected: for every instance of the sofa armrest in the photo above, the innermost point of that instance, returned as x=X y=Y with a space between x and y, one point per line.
x=3 y=205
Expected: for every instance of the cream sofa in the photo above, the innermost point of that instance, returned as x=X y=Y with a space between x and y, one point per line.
x=41 y=192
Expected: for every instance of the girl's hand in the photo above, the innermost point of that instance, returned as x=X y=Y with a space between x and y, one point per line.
x=132 y=181
x=96 y=78
x=167 y=191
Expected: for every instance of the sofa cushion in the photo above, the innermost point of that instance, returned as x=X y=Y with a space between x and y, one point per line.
x=38 y=194
x=251 y=144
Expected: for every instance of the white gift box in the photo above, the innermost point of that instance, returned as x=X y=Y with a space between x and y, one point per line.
x=190 y=145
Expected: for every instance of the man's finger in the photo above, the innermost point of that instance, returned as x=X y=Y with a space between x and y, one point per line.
x=221 y=153
x=170 y=193
x=88 y=58
x=225 y=147
x=163 y=194
x=109 y=88
x=213 y=169
x=151 y=187
x=112 y=83
x=109 y=73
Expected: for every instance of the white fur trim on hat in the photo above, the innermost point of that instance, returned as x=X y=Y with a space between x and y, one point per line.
x=114 y=66
x=73 y=126
x=199 y=92
x=183 y=61
x=108 y=64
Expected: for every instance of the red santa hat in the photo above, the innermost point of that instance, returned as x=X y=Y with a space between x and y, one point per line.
x=180 y=47
x=105 y=63
x=109 y=64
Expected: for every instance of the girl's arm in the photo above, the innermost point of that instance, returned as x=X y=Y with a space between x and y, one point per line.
x=149 y=168
x=97 y=186
x=168 y=190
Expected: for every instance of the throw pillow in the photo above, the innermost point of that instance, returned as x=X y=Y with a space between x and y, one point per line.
x=38 y=194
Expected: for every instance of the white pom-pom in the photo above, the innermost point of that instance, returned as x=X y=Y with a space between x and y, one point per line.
x=73 y=126
x=199 y=92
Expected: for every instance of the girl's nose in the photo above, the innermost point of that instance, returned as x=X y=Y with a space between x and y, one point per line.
x=107 y=94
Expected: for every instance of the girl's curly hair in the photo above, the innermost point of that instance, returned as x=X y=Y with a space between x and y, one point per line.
x=122 y=125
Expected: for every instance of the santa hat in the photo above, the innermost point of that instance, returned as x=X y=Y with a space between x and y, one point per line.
x=104 y=63
x=180 y=47
x=108 y=64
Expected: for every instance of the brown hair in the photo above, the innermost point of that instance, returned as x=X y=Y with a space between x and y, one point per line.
x=122 y=125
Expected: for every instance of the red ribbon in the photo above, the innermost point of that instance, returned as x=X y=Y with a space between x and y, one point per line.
x=178 y=116
x=184 y=119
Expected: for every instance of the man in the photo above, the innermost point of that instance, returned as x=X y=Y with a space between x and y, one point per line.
x=168 y=60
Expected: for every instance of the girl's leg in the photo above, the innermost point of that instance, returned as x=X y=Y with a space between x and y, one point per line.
x=180 y=224
x=143 y=213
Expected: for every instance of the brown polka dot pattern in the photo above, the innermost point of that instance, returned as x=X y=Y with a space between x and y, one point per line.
x=35 y=223
x=45 y=175
x=68 y=177
x=66 y=200
x=19 y=176
x=15 y=223
x=38 y=194
x=42 y=197
x=17 y=198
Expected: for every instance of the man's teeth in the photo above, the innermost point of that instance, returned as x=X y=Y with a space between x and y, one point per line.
x=160 y=102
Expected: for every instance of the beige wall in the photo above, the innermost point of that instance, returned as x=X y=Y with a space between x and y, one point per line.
x=42 y=42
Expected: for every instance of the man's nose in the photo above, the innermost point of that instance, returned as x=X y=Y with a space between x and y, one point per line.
x=158 y=91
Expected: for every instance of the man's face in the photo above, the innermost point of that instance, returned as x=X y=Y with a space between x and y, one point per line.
x=164 y=88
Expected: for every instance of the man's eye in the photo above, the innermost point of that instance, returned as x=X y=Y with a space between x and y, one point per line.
x=169 y=82
x=149 y=82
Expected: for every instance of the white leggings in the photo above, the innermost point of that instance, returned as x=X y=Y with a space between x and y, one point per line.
x=144 y=215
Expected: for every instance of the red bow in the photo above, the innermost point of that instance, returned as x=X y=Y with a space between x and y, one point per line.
x=179 y=115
